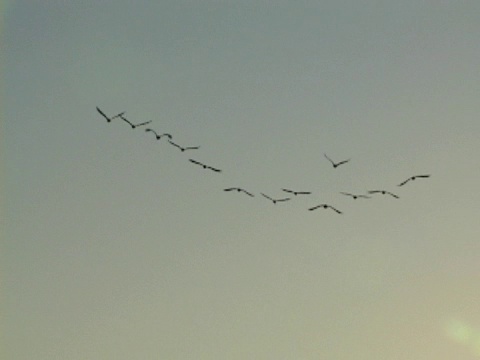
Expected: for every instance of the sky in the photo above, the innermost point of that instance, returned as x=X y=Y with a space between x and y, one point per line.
x=115 y=246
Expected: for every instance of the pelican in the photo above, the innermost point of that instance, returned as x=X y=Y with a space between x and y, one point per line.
x=158 y=136
x=239 y=190
x=274 y=200
x=297 y=192
x=338 y=163
x=325 y=206
x=106 y=117
x=135 y=125
x=413 y=178
x=355 y=196
x=204 y=166
x=383 y=192
x=184 y=148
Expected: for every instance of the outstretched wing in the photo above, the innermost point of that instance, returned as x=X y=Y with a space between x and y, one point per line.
x=144 y=123
x=126 y=120
x=331 y=207
x=404 y=182
x=266 y=196
x=342 y=162
x=176 y=145
x=103 y=114
x=248 y=193
x=118 y=115
x=329 y=159
x=214 y=169
x=151 y=130
x=196 y=162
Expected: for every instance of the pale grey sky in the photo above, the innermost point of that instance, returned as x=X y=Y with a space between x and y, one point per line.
x=117 y=247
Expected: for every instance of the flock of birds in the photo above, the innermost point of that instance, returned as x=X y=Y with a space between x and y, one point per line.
x=158 y=136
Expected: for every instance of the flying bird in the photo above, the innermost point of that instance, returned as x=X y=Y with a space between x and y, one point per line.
x=413 y=178
x=297 y=192
x=325 y=206
x=274 y=200
x=106 y=117
x=158 y=136
x=204 y=166
x=135 y=125
x=384 y=192
x=338 y=163
x=239 y=190
x=184 y=148
x=355 y=196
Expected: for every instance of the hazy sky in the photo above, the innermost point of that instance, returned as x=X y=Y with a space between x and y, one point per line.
x=116 y=247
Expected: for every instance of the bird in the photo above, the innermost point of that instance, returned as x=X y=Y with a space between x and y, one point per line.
x=338 y=163
x=204 y=166
x=325 y=206
x=297 y=192
x=239 y=190
x=158 y=136
x=184 y=148
x=354 y=196
x=106 y=117
x=383 y=192
x=274 y=200
x=134 y=125
x=413 y=178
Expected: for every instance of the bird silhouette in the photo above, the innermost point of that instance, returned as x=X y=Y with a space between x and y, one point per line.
x=297 y=192
x=134 y=125
x=204 y=166
x=355 y=196
x=335 y=165
x=158 y=136
x=383 y=192
x=239 y=190
x=184 y=148
x=413 y=178
x=274 y=200
x=325 y=206
x=106 y=117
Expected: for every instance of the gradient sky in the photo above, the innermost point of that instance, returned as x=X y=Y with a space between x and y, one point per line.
x=116 y=247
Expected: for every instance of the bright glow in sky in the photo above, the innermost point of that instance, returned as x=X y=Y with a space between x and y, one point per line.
x=115 y=246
